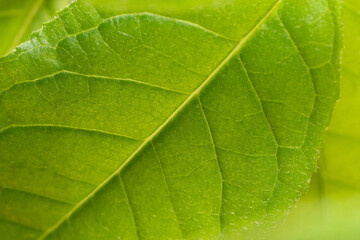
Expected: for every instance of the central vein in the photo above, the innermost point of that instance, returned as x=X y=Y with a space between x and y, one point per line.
x=169 y=119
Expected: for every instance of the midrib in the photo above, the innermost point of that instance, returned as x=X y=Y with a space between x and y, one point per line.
x=169 y=119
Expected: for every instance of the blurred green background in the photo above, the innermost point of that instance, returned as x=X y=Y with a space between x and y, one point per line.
x=18 y=18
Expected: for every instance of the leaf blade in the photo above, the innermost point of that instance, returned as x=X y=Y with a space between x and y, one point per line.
x=263 y=148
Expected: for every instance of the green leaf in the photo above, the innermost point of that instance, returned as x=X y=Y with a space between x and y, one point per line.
x=19 y=18
x=142 y=126
x=331 y=209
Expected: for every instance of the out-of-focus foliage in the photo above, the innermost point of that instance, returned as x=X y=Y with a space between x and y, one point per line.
x=331 y=209
x=18 y=18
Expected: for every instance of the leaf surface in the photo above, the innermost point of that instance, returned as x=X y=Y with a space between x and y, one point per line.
x=141 y=126
x=331 y=209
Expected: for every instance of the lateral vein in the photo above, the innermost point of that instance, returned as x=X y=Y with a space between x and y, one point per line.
x=165 y=123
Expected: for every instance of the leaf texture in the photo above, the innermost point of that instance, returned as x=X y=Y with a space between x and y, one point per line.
x=331 y=208
x=142 y=126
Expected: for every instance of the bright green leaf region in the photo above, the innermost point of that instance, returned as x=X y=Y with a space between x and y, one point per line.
x=147 y=126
